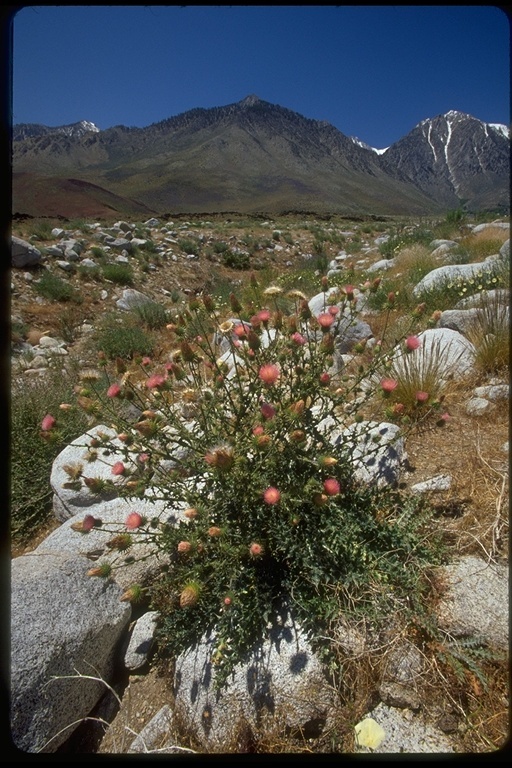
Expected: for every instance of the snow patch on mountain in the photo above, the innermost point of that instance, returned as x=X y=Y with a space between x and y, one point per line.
x=363 y=144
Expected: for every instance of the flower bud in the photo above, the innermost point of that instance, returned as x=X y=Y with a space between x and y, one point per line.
x=120 y=542
x=189 y=595
x=104 y=570
x=133 y=594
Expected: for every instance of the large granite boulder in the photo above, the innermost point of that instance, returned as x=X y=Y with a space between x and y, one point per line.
x=281 y=683
x=65 y=628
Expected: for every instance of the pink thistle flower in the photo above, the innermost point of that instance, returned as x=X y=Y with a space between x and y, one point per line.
x=145 y=361
x=398 y=409
x=271 y=495
x=269 y=374
x=227 y=600
x=143 y=457
x=325 y=379
x=214 y=531
x=48 y=423
x=325 y=320
x=88 y=523
x=155 y=381
x=268 y=411
x=388 y=385
x=184 y=546
x=118 y=468
x=422 y=397
x=258 y=430
x=443 y=419
x=256 y=549
x=133 y=521
x=331 y=486
x=349 y=290
x=298 y=338
x=240 y=330
x=412 y=343
x=114 y=390
x=333 y=310
x=263 y=315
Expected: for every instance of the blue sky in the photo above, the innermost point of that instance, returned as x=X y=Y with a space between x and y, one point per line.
x=371 y=71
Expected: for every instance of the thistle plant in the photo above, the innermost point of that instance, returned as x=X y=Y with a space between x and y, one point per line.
x=242 y=433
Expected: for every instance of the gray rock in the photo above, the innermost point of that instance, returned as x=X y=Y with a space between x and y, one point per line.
x=446 y=351
x=71 y=245
x=53 y=636
x=437 y=483
x=136 y=565
x=155 y=733
x=141 y=641
x=491 y=225
x=349 y=332
x=66 y=266
x=441 y=275
x=406 y=732
x=318 y=303
x=54 y=250
x=505 y=250
x=71 y=255
x=377 y=451
x=282 y=682
x=495 y=392
x=478 y=406
x=460 y=320
x=381 y=265
x=437 y=243
x=476 y=600
x=496 y=296
x=132 y=299
x=24 y=254
x=121 y=244
x=68 y=499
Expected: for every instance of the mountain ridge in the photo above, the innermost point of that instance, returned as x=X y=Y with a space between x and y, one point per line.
x=254 y=155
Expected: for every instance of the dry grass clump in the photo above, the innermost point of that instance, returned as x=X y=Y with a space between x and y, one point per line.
x=487 y=242
x=490 y=334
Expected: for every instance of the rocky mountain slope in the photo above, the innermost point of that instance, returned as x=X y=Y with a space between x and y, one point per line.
x=455 y=156
x=255 y=156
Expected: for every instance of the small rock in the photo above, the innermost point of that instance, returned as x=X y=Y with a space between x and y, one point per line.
x=437 y=483
x=478 y=406
x=141 y=641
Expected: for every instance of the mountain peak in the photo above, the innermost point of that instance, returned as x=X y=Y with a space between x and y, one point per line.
x=249 y=101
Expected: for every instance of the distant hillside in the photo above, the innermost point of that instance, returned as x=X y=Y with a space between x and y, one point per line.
x=255 y=156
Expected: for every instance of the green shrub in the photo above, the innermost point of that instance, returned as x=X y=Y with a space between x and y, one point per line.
x=151 y=314
x=236 y=259
x=55 y=288
x=98 y=252
x=86 y=272
x=31 y=457
x=190 y=246
x=271 y=509
x=121 y=274
x=117 y=337
x=220 y=246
